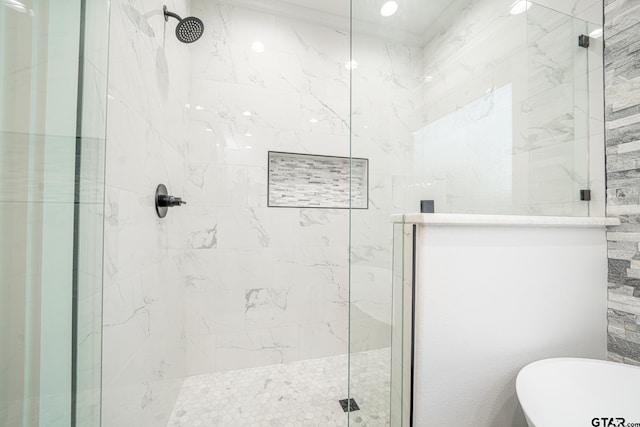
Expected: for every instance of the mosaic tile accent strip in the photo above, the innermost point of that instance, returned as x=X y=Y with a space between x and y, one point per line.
x=304 y=393
x=622 y=92
x=311 y=181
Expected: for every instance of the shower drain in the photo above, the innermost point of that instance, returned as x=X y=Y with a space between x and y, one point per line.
x=349 y=405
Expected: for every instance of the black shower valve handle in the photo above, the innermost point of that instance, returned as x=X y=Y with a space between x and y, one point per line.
x=170 y=201
x=164 y=201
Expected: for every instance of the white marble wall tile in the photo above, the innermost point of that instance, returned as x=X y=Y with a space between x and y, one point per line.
x=143 y=403
x=243 y=228
x=287 y=304
x=380 y=191
x=257 y=348
x=159 y=64
x=216 y=312
x=369 y=333
x=200 y=230
x=236 y=99
x=231 y=187
x=200 y=181
x=289 y=265
x=202 y=146
x=246 y=268
x=145 y=283
x=131 y=223
x=593 y=14
x=257 y=188
x=282 y=226
x=323 y=227
x=553 y=174
x=317 y=265
x=200 y=354
x=308 y=40
x=583 y=9
x=332 y=114
x=201 y=268
x=309 y=141
x=329 y=302
x=552 y=49
x=328 y=338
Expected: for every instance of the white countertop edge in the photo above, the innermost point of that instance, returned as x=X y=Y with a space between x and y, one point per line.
x=503 y=220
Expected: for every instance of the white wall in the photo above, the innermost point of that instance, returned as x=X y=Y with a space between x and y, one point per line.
x=271 y=285
x=491 y=300
x=144 y=352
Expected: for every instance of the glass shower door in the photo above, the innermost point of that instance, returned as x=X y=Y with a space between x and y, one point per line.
x=50 y=210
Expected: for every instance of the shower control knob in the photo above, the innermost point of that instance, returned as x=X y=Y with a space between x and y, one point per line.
x=164 y=201
x=169 y=201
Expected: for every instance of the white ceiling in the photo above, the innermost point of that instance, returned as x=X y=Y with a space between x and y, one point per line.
x=414 y=22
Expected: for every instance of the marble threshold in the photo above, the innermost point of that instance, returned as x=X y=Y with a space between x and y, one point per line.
x=446 y=219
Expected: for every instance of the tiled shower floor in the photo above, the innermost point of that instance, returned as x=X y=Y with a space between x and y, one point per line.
x=304 y=393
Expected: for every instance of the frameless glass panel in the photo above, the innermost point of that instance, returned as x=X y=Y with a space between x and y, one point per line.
x=485 y=123
x=554 y=151
x=39 y=66
x=259 y=292
x=479 y=106
x=89 y=213
x=41 y=274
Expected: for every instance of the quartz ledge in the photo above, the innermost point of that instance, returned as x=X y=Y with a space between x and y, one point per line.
x=503 y=220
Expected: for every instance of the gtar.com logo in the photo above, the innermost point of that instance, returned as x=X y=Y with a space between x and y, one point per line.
x=612 y=422
x=608 y=422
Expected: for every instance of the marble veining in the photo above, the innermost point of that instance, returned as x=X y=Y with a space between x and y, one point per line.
x=144 y=325
x=268 y=285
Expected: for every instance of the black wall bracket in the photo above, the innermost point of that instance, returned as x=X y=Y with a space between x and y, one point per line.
x=585 y=195
x=583 y=40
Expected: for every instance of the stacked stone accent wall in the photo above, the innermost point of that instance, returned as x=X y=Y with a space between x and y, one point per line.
x=622 y=103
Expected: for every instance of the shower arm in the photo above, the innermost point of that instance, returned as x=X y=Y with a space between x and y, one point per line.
x=168 y=14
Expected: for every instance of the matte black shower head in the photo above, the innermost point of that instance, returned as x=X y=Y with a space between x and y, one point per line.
x=188 y=29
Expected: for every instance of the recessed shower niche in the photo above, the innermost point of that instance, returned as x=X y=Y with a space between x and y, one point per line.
x=313 y=181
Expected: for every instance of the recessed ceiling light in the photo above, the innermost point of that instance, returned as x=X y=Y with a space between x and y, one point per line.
x=519 y=7
x=596 y=34
x=427 y=78
x=209 y=130
x=247 y=113
x=257 y=47
x=389 y=8
x=199 y=107
x=314 y=120
x=248 y=134
x=248 y=147
x=351 y=65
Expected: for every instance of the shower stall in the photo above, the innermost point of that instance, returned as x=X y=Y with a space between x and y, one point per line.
x=293 y=130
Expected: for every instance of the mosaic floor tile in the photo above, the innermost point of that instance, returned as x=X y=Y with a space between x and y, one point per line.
x=305 y=393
